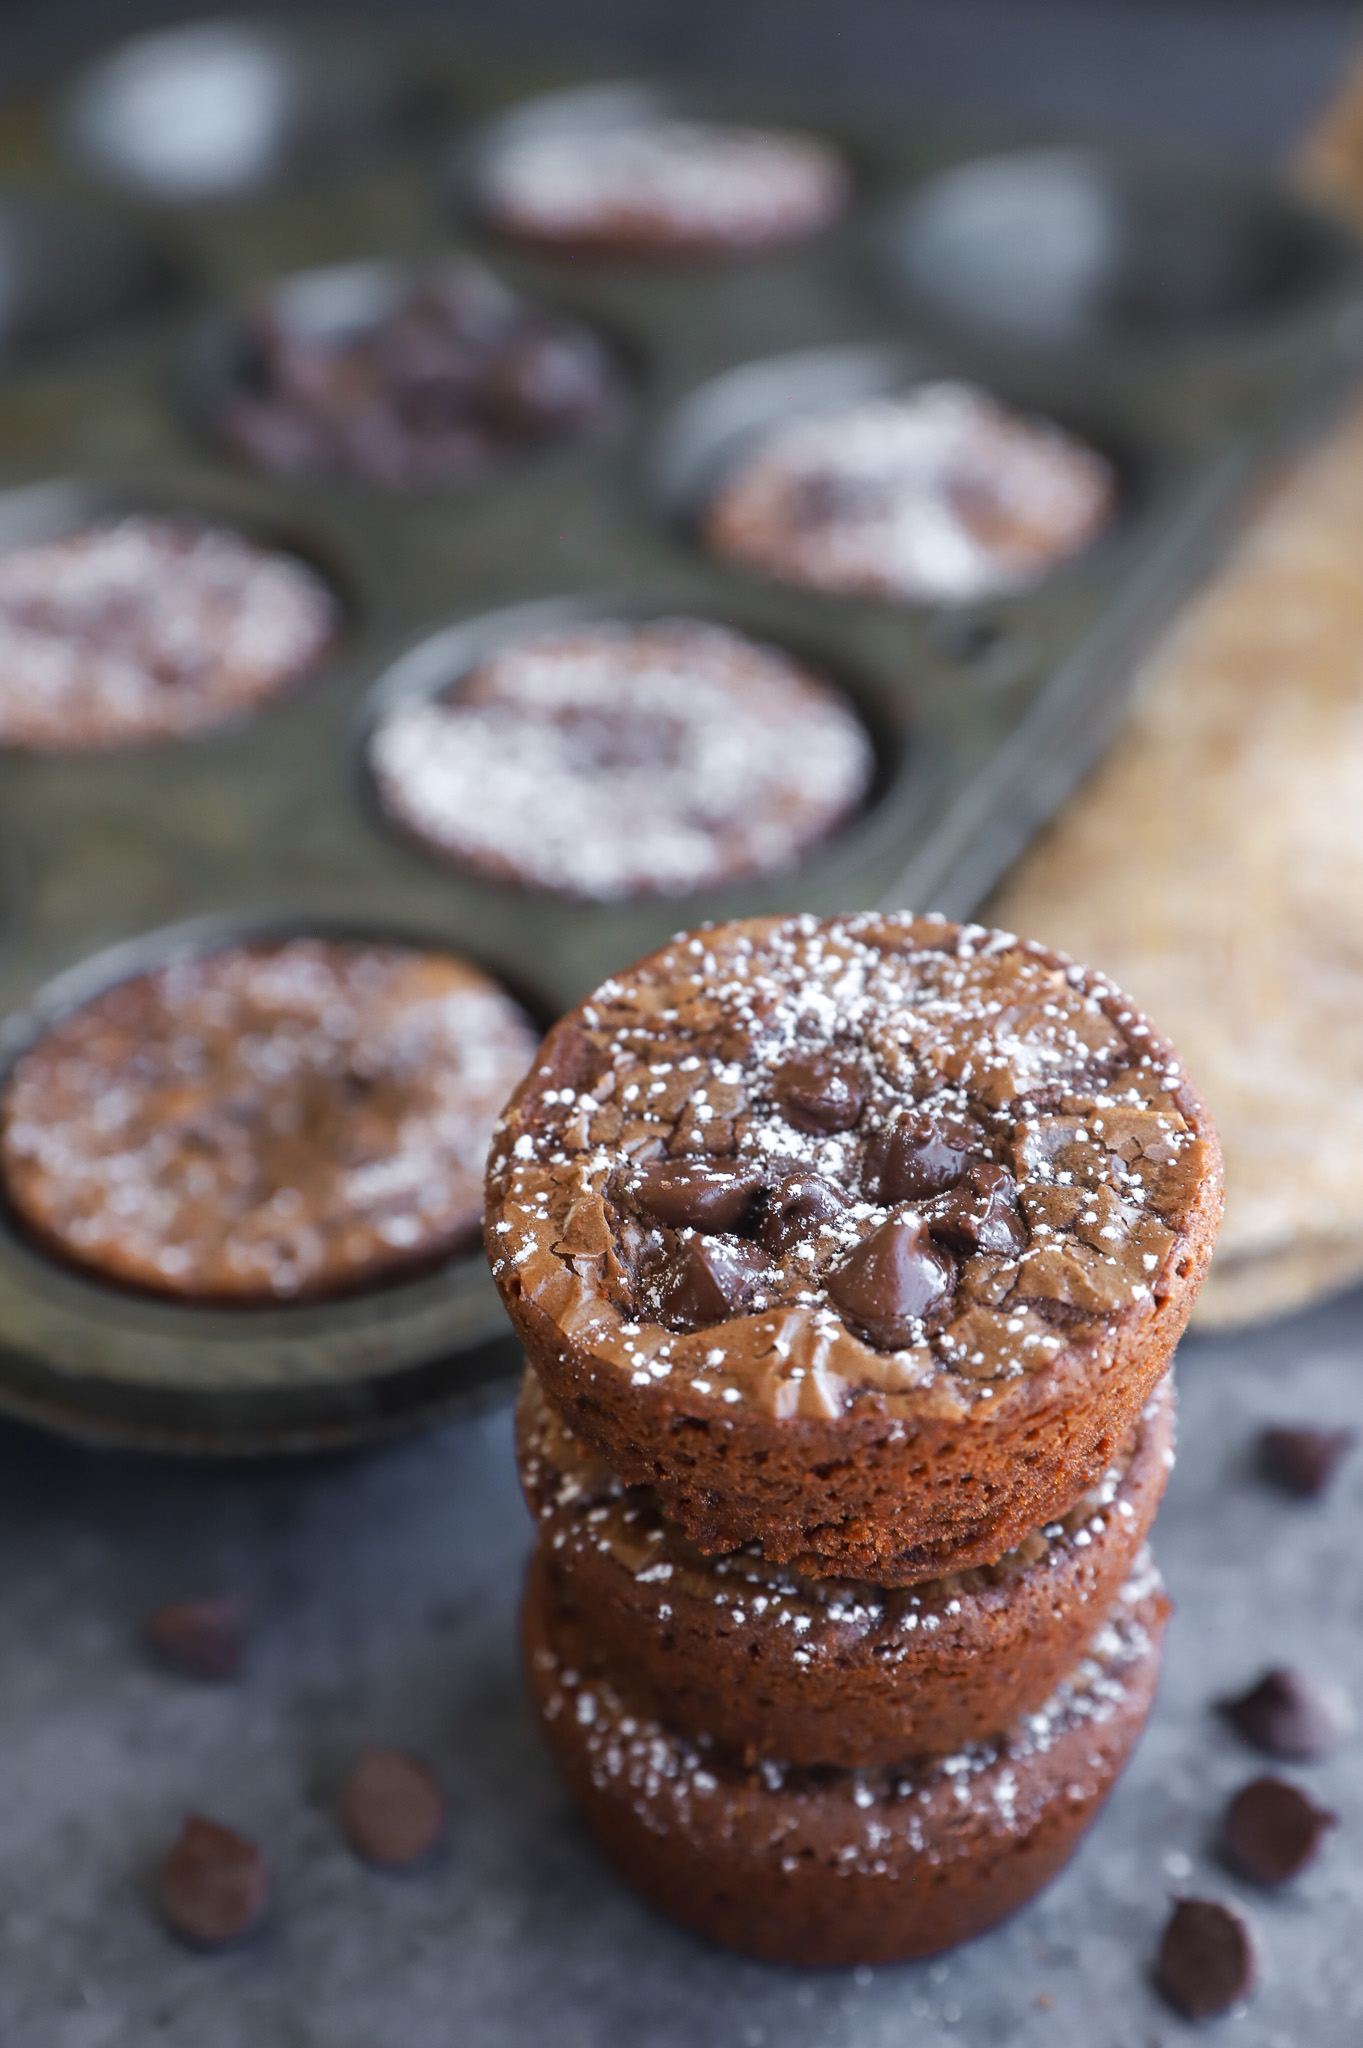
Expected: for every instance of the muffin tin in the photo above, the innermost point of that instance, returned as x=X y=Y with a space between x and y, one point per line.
x=1189 y=320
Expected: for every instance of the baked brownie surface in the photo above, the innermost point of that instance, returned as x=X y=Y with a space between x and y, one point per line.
x=454 y=374
x=618 y=760
x=150 y=628
x=832 y=1671
x=939 y=494
x=840 y=1867
x=865 y=1239
x=264 y=1122
x=662 y=187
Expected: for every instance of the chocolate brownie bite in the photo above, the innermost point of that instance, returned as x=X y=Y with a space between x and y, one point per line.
x=436 y=378
x=661 y=187
x=612 y=760
x=865 y=1239
x=936 y=495
x=265 y=1123
x=147 y=628
x=837 y=1867
x=768 y=1662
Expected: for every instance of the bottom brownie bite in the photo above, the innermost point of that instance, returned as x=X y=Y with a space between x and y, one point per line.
x=832 y=1671
x=839 y=1867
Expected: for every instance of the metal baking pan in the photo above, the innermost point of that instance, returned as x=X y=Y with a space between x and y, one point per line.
x=1191 y=321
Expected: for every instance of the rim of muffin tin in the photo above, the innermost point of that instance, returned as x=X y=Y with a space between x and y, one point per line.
x=216 y=360
x=434 y=664
x=96 y=1357
x=714 y=427
x=82 y=273
x=1064 y=248
x=330 y=100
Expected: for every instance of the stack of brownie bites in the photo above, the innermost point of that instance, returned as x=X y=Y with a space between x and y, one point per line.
x=849 y=1256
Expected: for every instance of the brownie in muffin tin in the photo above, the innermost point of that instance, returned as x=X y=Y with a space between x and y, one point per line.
x=663 y=187
x=145 y=628
x=936 y=495
x=613 y=760
x=452 y=374
x=839 y=1867
x=767 y=1662
x=864 y=1239
x=264 y=1123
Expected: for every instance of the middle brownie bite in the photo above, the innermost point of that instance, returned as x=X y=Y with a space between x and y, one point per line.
x=865 y=1239
x=612 y=759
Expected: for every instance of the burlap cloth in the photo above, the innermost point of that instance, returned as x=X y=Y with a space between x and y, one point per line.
x=1214 y=862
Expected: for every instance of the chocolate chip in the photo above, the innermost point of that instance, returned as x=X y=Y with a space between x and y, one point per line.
x=213 y=1885
x=917 y=1156
x=1272 y=1831
x=796 y=1210
x=392 y=1809
x=1285 y=1715
x=819 y=1093
x=980 y=1213
x=206 y=1637
x=1304 y=1460
x=1206 y=1960
x=698 y=1192
x=892 y=1279
x=705 y=1280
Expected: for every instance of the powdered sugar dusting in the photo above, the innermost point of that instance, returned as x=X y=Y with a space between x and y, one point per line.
x=620 y=760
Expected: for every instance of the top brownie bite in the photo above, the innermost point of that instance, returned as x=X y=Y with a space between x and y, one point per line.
x=877 y=1188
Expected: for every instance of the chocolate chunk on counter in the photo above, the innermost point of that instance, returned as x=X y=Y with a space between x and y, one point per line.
x=206 y=1637
x=392 y=1809
x=214 y=1884
x=1206 y=1960
x=1286 y=1715
x=1304 y=1461
x=1273 y=1830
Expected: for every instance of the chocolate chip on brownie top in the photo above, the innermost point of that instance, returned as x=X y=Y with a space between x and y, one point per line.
x=266 y=1121
x=786 y=1160
x=618 y=759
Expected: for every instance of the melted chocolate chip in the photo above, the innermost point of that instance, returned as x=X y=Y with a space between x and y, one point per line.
x=917 y=1156
x=392 y=1809
x=819 y=1093
x=893 y=1278
x=980 y=1214
x=1272 y=1831
x=206 y=1637
x=1304 y=1461
x=213 y=1885
x=796 y=1210
x=705 y=1194
x=1285 y=1715
x=1206 y=1960
x=706 y=1280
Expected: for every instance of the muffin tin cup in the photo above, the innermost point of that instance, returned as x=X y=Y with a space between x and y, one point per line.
x=982 y=715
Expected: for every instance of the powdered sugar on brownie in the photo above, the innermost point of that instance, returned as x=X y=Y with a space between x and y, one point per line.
x=149 y=628
x=663 y=185
x=615 y=760
x=939 y=494
x=265 y=1122
x=785 y=1160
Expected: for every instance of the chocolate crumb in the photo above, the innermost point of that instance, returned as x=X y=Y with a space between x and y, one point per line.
x=206 y=1637
x=392 y=1809
x=1304 y=1461
x=1285 y=1715
x=1206 y=1961
x=213 y=1885
x=1273 y=1831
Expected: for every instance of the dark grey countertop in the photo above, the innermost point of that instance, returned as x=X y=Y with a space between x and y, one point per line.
x=387 y=1588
